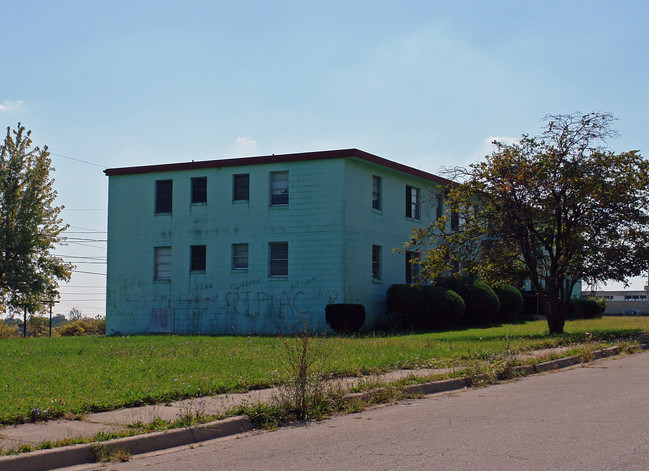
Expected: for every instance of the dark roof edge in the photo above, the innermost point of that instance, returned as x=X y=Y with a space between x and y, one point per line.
x=267 y=159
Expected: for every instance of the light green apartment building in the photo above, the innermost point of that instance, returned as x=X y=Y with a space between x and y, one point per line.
x=260 y=244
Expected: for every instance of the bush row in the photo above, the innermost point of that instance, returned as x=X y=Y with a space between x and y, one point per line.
x=451 y=302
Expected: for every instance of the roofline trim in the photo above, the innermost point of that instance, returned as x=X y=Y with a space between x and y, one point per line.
x=280 y=158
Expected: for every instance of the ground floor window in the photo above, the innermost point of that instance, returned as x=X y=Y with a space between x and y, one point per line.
x=412 y=267
x=162 y=263
x=198 y=256
x=376 y=262
x=239 y=256
x=278 y=259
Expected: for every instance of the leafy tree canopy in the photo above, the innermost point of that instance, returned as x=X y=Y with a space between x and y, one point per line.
x=553 y=210
x=30 y=226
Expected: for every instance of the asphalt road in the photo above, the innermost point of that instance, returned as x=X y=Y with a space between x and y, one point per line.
x=584 y=418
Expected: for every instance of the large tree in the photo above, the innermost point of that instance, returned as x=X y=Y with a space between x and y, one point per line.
x=30 y=225
x=554 y=210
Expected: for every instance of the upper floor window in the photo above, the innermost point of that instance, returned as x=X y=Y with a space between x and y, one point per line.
x=439 y=206
x=412 y=267
x=241 y=187
x=278 y=259
x=278 y=188
x=376 y=262
x=239 y=256
x=162 y=262
x=376 y=192
x=412 y=202
x=199 y=190
x=163 y=196
x=197 y=258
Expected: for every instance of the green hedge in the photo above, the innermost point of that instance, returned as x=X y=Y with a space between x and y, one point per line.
x=481 y=301
x=511 y=301
x=427 y=307
x=586 y=308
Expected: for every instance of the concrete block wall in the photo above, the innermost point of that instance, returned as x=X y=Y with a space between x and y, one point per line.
x=220 y=300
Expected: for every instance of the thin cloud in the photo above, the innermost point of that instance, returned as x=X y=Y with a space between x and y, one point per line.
x=504 y=140
x=9 y=105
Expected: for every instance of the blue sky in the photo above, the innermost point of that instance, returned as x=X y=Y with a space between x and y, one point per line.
x=426 y=83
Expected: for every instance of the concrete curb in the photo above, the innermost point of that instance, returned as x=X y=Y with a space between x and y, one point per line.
x=44 y=460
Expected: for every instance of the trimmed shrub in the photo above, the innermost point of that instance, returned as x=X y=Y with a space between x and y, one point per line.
x=481 y=302
x=345 y=318
x=427 y=307
x=586 y=308
x=511 y=301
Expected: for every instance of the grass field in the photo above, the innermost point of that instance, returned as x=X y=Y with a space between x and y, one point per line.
x=53 y=377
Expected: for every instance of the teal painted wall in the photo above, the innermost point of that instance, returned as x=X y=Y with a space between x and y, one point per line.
x=329 y=225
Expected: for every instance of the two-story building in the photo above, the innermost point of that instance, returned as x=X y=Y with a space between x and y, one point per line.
x=260 y=244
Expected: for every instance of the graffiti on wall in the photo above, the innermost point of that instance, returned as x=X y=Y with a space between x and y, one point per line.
x=243 y=298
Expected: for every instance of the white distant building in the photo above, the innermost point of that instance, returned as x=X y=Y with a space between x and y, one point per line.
x=624 y=302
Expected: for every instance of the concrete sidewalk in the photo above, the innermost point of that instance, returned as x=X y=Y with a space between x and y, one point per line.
x=34 y=434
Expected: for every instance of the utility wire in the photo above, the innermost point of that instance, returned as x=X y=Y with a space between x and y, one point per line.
x=76 y=160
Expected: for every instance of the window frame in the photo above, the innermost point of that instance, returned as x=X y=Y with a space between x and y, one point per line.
x=376 y=262
x=278 y=265
x=377 y=193
x=157 y=264
x=412 y=269
x=197 y=258
x=237 y=180
x=279 y=195
x=164 y=196
x=238 y=257
x=198 y=194
x=413 y=207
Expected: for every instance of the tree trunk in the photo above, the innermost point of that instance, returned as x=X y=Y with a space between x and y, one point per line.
x=554 y=311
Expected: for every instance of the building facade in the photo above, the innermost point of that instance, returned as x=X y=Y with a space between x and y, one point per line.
x=260 y=244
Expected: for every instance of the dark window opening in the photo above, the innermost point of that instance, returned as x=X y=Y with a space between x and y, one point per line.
x=163 y=196
x=241 y=187
x=376 y=262
x=199 y=190
x=376 y=192
x=198 y=253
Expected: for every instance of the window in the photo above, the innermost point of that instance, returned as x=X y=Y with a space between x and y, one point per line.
x=278 y=259
x=412 y=202
x=278 y=188
x=455 y=220
x=199 y=190
x=241 y=187
x=439 y=203
x=376 y=192
x=376 y=262
x=162 y=261
x=239 y=256
x=163 y=194
x=197 y=260
x=412 y=267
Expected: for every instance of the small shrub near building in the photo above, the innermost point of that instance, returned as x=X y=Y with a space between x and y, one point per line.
x=426 y=307
x=345 y=318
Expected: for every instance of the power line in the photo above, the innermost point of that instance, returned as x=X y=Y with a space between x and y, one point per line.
x=88 y=272
x=76 y=160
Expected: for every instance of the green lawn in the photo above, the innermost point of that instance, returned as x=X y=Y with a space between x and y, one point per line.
x=51 y=377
